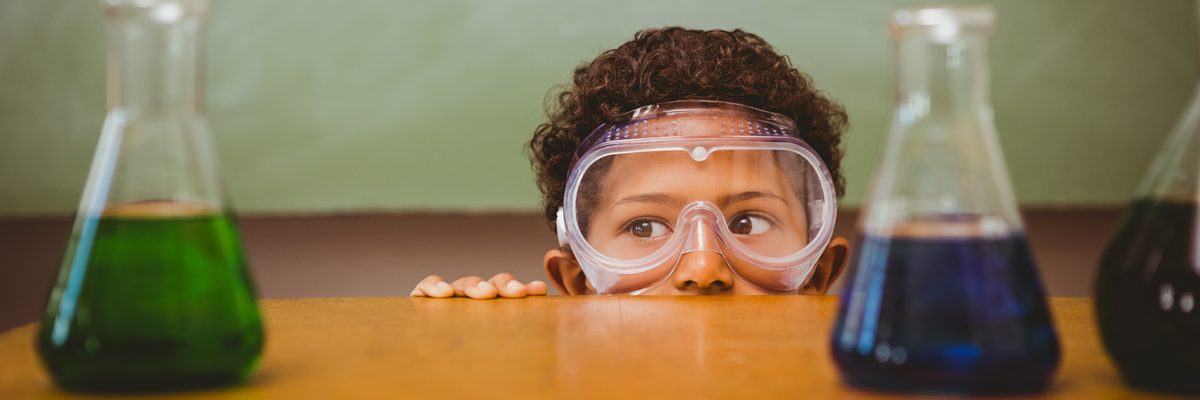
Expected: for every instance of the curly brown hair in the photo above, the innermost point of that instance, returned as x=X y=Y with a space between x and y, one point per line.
x=674 y=63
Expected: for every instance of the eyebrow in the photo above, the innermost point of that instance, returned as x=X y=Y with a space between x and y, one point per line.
x=656 y=198
x=749 y=195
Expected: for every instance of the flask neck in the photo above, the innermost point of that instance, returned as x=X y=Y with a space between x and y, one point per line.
x=942 y=74
x=942 y=173
x=155 y=60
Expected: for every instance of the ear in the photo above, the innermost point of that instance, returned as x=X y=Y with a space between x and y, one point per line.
x=829 y=267
x=564 y=273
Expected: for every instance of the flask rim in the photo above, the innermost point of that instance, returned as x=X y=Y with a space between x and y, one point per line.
x=162 y=11
x=153 y=3
x=943 y=25
x=963 y=16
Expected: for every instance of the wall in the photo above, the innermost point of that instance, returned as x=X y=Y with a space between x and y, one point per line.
x=328 y=106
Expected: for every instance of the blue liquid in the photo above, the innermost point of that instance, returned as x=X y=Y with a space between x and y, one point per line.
x=959 y=315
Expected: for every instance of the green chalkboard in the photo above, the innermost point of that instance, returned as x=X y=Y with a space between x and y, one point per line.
x=376 y=105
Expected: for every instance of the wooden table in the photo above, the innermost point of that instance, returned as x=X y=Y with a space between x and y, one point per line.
x=565 y=347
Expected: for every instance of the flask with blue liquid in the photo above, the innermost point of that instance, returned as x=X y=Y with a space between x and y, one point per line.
x=946 y=297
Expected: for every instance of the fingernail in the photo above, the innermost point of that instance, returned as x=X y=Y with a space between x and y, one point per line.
x=514 y=285
x=485 y=285
x=443 y=285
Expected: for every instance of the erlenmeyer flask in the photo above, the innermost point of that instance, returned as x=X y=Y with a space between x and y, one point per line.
x=153 y=291
x=1149 y=276
x=946 y=297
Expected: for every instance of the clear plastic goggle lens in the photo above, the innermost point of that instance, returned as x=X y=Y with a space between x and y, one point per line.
x=631 y=205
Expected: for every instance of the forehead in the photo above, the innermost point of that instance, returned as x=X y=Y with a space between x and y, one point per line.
x=677 y=173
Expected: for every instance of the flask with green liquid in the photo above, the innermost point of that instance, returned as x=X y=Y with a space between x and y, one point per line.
x=153 y=292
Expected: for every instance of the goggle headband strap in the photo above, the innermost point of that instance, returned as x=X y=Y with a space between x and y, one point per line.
x=636 y=124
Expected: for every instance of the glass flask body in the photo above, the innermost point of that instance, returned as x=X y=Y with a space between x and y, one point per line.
x=1149 y=275
x=946 y=297
x=153 y=292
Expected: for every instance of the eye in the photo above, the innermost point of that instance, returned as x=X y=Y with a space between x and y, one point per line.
x=647 y=229
x=748 y=225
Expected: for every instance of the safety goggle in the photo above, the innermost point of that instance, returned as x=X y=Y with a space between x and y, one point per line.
x=687 y=176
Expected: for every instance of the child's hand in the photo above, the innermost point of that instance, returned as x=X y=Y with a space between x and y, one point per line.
x=502 y=284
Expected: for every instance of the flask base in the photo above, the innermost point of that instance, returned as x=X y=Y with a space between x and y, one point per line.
x=148 y=385
x=1164 y=382
x=959 y=388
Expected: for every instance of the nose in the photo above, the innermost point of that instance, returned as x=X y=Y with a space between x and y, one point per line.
x=702 y=271
x=702 y=266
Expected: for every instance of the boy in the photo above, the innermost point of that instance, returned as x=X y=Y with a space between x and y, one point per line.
x=641 y=217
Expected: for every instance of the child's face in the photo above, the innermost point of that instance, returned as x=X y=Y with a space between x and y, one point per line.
x=639 y=210
x=640 y=202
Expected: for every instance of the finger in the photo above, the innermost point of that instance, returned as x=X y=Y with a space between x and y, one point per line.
x=508 y=286
x=536 y=288
x=433 y=286
x=474 y=287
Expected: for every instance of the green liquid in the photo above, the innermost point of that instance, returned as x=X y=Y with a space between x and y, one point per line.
x=163 y=303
